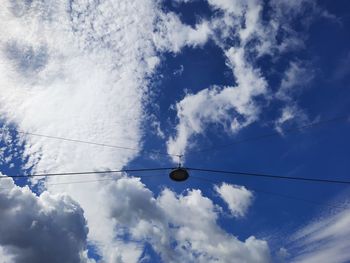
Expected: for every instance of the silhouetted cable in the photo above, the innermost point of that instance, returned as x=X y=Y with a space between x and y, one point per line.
x=270 y=176
x=95 y=143
x=276 y=194
x=88 y=172
x=272 y=134
x=94 y=180
x=188 y=168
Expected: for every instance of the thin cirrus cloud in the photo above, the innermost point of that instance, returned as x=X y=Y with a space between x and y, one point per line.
x=325 y=239
x=296 y=78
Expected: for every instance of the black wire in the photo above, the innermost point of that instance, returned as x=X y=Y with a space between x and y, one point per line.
x=162 y=169
x=271 y=176
x=275 y=194
x=259 y=137
x=94 y=180
x=95 y=143
x=272 y=134
x=188 y=168
x=88 y=172
x=263 y=136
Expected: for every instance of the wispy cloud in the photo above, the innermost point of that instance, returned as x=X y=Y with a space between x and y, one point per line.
x=244 y=36
x=324 y=240
x=233 y=105
x=297 y=77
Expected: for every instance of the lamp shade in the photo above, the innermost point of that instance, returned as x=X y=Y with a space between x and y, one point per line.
x=179 y=174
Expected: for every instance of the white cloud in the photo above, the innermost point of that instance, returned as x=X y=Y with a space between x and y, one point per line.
x=240 y=31
x=234 y=105
x=10 y=148
x=45 y=228
x=324 y=240
x=291 y=113
x=82 y=74
x=241 y=24
x=170 y=223
x=232 y=6
x=79 y=70
x=172 y=35
x=297 y=77
x=238 y=198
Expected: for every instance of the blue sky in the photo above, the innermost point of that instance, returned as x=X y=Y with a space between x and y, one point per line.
x=177 y=77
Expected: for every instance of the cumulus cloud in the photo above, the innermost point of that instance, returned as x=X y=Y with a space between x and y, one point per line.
x=170 y=223
x=45 y=228
x=323 y=240
x=238 y=198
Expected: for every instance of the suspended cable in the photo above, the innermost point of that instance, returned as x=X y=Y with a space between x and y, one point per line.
x=270 y=176
x=95 y=143
x=94 y=180
x=87 y=172
x=259 y=137
x=276 y=194
x=188 y=168
x=194 y=177
x=272 y=134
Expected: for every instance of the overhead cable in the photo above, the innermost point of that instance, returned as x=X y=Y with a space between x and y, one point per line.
x=217 y=147
x=95 y=143
x=261 y=175
x=270 y=176
x=86 y=172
